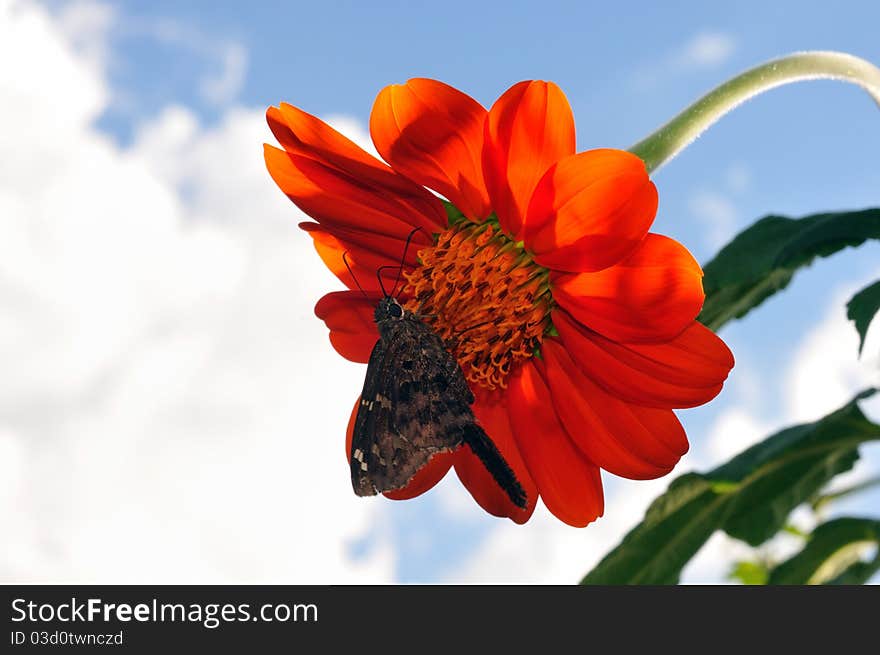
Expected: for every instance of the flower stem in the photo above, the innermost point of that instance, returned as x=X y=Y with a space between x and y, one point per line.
x=674 y=136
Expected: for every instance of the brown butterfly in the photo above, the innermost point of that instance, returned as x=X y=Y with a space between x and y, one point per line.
x=415 y=404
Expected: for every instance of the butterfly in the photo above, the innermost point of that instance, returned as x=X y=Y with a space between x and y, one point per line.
x=415 y=404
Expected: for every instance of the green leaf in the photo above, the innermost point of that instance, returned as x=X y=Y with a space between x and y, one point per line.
x=819 y=502
x=676 y=525
x=793 y=530
x=762 y=259
x=857 y=573
x=752 y=573
x=750 y=497
x=788 y=469
x=861 y=310
x=831 y=555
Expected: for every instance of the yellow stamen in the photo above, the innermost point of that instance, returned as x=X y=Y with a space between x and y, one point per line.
x=485 y=297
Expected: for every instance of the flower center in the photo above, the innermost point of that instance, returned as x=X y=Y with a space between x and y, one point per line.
x=485 y=297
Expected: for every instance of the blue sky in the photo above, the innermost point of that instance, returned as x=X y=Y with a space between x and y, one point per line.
x=626 y=68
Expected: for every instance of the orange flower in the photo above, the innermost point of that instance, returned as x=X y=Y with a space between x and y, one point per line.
x=577 y=326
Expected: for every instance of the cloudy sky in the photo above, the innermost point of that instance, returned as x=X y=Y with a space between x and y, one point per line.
x=170 y=409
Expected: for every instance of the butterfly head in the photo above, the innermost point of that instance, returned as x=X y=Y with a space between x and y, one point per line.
x=389 y=309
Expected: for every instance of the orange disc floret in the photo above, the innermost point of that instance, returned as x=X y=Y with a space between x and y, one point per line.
x=485 y=296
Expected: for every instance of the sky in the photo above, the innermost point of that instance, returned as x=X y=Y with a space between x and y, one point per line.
x=170 y=408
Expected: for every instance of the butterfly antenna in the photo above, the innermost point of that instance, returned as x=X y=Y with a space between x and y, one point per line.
x=403 y=259
x=379 y=277
x=351 y=272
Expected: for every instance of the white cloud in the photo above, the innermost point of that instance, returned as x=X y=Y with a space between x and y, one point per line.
x=717 y=213
x=85 y=25
x=546 y=551
x=733 y=431
x=225 y=85
x=738 y=177
x=705 y=50
x=226 y=60
x=455 y=502
x=714 y=561
x=826 y=373
x=169 y=408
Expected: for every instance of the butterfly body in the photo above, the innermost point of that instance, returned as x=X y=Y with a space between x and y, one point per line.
x=415 y=404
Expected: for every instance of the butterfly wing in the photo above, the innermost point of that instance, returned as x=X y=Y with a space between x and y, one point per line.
x=415 y=404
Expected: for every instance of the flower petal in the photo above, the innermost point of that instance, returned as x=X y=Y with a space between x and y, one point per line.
x=628 y=440
x=433 y=134
x=528 y=129
x=651 y=296
x=359 y=251
x=349 y=317
x=371 y=250
x=687 y=371
x=590 y=210
x=569 y=483
x=349 y=430
x=302 y=134
x=426 y=477
x=337 y=200
x=492 y=414
x=336 y=182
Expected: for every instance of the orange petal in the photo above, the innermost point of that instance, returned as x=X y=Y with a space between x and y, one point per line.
x=349 y=316
x=302 y=134
x=492 y=414
x=349 y=430
x=427 y=476
x=687 y=371
x=568 y=482
x=360 y=251
x=651 y=296
x=334 y=181
x=365 y=254
x=628 y=440
x=433 y=134
x=337 y=200
x=529 y=129
x=590 y=210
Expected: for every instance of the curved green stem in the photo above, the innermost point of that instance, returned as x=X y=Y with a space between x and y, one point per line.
x=671 y=138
